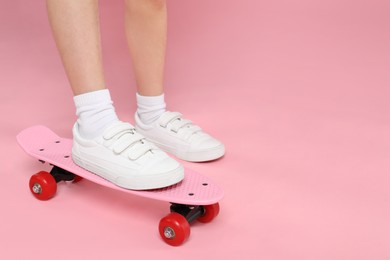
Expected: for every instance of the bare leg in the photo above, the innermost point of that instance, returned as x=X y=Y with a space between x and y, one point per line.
x=75 y=26
x=146 y=32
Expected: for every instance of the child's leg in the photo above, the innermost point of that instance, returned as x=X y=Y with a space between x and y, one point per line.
x=146 y=33
x=146 y=30
x=101 y=143
x=75 y=26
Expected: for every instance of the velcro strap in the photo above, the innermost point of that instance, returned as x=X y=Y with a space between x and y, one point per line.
x=140 y=150
x=126 y=141
x=168 y=117
x=117 y=129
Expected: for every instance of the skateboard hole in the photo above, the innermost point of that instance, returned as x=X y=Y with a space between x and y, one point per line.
x=41 y=149
x=205 y=184
x=57 y=142
x=191 y=194
x=66 y=156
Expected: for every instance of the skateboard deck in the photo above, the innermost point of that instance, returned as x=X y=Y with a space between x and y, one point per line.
x=190 y=198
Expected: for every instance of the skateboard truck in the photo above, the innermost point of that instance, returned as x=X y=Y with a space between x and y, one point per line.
x=191 y=213
x=60 y=174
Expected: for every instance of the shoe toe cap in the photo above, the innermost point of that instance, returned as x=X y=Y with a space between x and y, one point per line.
x=206 y=143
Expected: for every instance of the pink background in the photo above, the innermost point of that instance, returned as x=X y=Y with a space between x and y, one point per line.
x=297 y=90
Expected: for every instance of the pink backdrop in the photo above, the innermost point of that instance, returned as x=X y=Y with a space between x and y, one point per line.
x=297 y=90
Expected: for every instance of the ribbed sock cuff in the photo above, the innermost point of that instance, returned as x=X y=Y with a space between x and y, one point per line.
x=93 y=97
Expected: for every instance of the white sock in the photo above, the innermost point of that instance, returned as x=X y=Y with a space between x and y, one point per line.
x=150 y=108
x=95 y=112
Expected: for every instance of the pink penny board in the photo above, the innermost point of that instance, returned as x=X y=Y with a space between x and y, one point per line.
x=42 y=143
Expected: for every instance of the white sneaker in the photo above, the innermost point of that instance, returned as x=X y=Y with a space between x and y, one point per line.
x=125 y=158
x=181 y=138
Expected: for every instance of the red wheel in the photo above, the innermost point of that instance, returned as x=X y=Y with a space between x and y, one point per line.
x=43 y=185
x=210 y=212
x=174 y=229
x=77 y=179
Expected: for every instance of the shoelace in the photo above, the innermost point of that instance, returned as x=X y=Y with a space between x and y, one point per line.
x=178 y=124
x=127 y=139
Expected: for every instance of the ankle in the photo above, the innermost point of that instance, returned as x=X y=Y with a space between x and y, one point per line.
x=150 y=108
